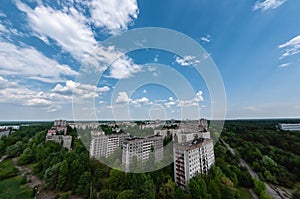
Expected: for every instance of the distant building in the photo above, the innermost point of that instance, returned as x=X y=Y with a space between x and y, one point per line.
x=182 y=135
x=60 y=123
x=200 y=125
x=84 y=125
x=12 y=127
x=189 y=136
x=168 y=132
x=203 y=125
x=105 y=145
x=65 y=140
x=59 y=127
x=192 y=158
x=141 y=148
x=289 y=127
x=4 y=133
x=58 y=134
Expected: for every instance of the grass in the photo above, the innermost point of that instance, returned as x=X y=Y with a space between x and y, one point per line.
x=245 y=194
x=12 y=188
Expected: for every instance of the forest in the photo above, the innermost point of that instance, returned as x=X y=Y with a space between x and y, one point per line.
x=69 y=173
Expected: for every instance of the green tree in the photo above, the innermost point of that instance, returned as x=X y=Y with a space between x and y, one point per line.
x=197 y=188
x=181 y=194
x=63 y=175
x=126 y=194
x=14 y=150
x=167 y=190
x=84 y=184
x=107 y=194
x=26 y=157
x=51 y=176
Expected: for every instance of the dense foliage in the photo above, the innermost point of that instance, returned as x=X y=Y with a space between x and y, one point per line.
x=273 y=154
x=74 y=172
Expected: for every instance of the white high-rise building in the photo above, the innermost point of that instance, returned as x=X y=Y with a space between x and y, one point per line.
x=289 y=126
x=192 y=158
x=182 y=135
x=141 y=148
x=105 y=145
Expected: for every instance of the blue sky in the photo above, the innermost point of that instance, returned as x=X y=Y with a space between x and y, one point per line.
x=255 y=45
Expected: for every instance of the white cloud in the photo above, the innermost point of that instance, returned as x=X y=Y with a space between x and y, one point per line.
x=199 y=96
x=205 y=39
x=68 y=29
x=155 y=58
x=71 y=30
x=284 y=65
x=143 y=100
x=122 y=98
x=11 y=92
x=80 y=90
x=123 y=68
x=252 y=108
x=291 y=47
x=27 y=62
x=113 y=15
x=184 y=103
x=170 y=103
x=2 y=28
x=268 y=4
x=187 y=103
x=2 y=14
x=186 y=60
x=7 y=31
x=144 y=91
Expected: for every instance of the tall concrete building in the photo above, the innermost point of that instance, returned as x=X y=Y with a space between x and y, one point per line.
x=141 y=148
x=182 y=135
x=105 y=145
x=192 y=158
x=60 y=123
x=289 y=126
x=65 y=140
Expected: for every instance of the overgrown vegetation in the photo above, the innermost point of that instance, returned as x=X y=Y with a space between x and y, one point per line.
x=13 y=188
x=273 y=154
x=7 y=169
x=74 y=172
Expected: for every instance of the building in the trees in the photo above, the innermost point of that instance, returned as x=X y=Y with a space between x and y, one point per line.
x=64 y=140
x=58 y=134
x=191 y=158
x=141 y=149
x=289 y=126
x=105 y=145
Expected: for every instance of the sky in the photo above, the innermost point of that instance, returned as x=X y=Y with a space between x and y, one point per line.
x=45 y=45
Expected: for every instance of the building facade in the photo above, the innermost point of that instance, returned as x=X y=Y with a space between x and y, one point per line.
x=141 y=148
x=182 y=135
x=105 y=145
x=289 y=127
x=65 y=140
x=192 y=158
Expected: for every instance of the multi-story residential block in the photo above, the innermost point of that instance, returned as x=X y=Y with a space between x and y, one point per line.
x=193 y=125
x=58 y=134
x=141 y=148
x=192 y=158
x=59 y=127
x=289 y=126
x=105 y=145
x=65 y=140
x=182 y=135
x=60 y=123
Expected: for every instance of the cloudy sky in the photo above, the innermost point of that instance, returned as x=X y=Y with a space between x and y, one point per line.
x=43 y=45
